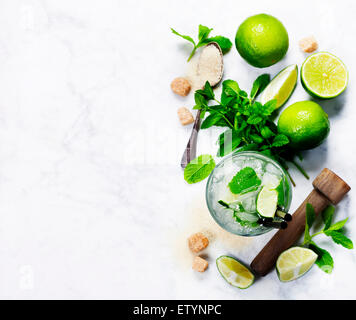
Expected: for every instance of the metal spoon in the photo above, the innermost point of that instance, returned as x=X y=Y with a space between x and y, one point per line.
x=191 y=149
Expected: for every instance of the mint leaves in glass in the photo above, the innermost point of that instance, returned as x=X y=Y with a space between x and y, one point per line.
x=233 y=188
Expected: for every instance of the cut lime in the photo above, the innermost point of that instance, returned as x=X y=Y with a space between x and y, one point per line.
x=294 y=262
x=282 y=86
x=267 y=202
x=323 y=75
x=230 y=197
x=234 y=272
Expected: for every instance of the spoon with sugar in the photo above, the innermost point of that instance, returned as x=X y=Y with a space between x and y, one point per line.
x=210 y=67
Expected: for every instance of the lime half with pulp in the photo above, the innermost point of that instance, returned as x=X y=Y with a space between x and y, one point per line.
x=267 y=201
x=282 y=86
x=295 y=262
x=234 y=272
x=324 y=75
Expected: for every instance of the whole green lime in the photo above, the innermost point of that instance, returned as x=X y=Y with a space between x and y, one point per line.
x=262 y=40
x=305 y=124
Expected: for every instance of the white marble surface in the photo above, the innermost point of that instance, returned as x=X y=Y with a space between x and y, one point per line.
x=92 y=199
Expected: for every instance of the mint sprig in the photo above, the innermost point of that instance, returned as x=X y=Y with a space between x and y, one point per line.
x=250 y=125
x=334 y=231
x=203 y=39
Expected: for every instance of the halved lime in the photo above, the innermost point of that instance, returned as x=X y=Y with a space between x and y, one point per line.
x=267 y=202
x=324 y=75
x=282 y=86
x=234 y=272
x=295 y=262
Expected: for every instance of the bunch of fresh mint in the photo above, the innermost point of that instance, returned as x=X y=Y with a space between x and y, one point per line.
x=203 y=39
x=335 y=231
x=250 y=125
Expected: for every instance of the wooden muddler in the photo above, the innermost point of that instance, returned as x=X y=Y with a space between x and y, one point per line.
x=328 y=188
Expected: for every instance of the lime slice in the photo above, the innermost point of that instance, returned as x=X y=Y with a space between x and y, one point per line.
x=323 y=75
x=230 y=197
x=282 y=86
x=267 y=202
x=234 y=272
x=294 y=262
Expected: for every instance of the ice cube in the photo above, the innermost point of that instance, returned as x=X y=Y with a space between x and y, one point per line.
x=270 y=180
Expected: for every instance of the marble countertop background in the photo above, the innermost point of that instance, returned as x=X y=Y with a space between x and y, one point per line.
x=92 y=199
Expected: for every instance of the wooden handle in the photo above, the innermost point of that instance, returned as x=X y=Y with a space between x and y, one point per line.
x=329 y=187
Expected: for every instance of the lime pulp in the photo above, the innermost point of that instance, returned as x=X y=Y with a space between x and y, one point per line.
x=295 y=262
x=324 y=75
x=234 y=272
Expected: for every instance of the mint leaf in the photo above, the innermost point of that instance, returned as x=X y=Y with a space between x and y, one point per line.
x=309 y=220
x=327 y=216
x=256 y=138
x=208 y=91
x=244 y=181
x=230 y=87
x=280 y=140
x=228 y=142
x=254 y=119
x=183 y=36
x=340 y=238
x=224 y=43
x=203 y=32
x=269 y=107
x=267 y=133
x=325 y=261
x=338 y=225
x=229 y=94
x=199 y=168
x=214 y=119
x=259 y=85
x=200 y=100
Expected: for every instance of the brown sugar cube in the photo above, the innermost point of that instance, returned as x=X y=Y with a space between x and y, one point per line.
x=308 y=44
x=185 y=116
x=197 y=242
x=200 y=264
x=180 y=86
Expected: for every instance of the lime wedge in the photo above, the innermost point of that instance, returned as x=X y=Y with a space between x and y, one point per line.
x=323 y=75
x=234 y=272
x=294 y=262
x=282 y=86
x=267 y=202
